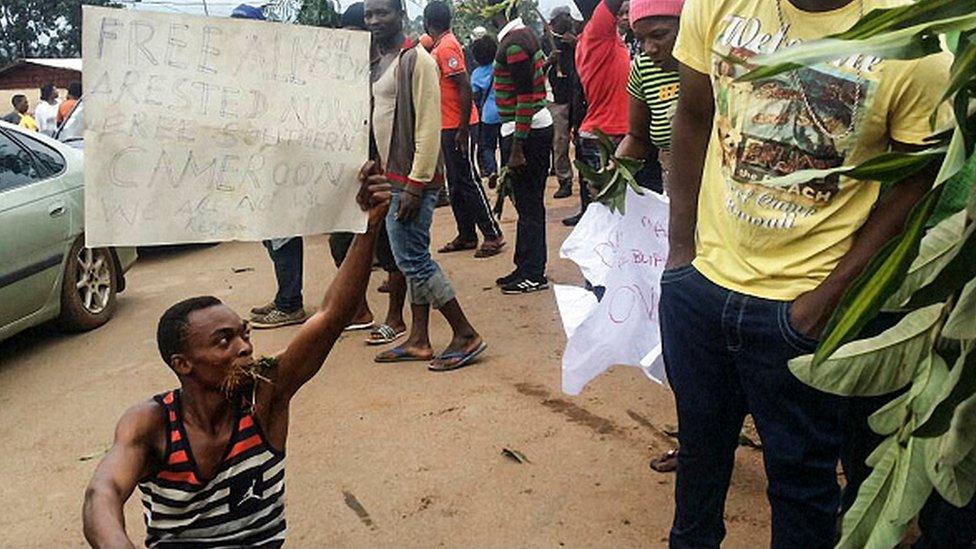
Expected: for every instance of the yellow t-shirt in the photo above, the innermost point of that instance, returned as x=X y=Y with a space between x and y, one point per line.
x=27 y=121
x=779 y=243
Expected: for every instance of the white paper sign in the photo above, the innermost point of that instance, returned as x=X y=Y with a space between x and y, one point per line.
x=202 y=129
x=623 y=328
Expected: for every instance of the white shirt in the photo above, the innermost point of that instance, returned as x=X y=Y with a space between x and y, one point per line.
x=46 y=115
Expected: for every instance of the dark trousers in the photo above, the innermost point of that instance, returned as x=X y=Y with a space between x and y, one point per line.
x=339 y=246
x=488 y=135
x=528 y=188
x=468 y=199
x=288 y=263
x=726 y=356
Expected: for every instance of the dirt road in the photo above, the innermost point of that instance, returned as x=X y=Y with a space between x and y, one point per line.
x=378 y=455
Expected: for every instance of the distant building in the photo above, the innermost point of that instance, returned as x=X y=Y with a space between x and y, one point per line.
x=26 y=76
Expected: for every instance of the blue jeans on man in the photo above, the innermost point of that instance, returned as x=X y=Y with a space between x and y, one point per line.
x=726 y=356
x=288 y=262
x=410 y=241
x=488 y=136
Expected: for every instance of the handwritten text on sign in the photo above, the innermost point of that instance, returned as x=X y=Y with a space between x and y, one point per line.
x=201 y=129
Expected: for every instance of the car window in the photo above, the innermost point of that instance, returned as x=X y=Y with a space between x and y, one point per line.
x=16 y=165
x=50 y=160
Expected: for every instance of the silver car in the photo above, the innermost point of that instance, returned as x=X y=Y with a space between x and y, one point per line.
x=46 y=272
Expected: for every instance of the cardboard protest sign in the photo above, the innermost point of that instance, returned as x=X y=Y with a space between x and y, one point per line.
x=623 y=328
x=203 y=129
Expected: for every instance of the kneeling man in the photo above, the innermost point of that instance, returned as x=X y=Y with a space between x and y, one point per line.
x=209 y=456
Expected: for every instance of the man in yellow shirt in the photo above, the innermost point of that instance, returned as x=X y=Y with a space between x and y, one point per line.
x=19 y=115
x=756 y=271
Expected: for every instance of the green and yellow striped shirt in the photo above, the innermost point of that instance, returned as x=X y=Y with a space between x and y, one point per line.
x=658 y=89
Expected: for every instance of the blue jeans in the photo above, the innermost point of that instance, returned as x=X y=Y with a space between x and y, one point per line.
x=288 y=262
x=725 y=355
x=410 y=242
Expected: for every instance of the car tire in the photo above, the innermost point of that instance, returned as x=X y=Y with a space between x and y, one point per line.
x=88 y=287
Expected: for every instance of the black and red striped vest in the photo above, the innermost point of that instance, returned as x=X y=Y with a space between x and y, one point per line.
x=241 y=506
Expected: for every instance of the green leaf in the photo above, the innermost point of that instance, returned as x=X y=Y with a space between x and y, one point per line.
x=962 y=320
x=956 y=484
x=958 y=271
x=933 y=255
x=962 y=70
x=960 y=384
x=598 y=178
x=862 y=518
x=812 y=53
x=880 y=20
x=881 y=278
x=938 y=373
x=909 y=42
x=874 y=366
x=910 y=487
x=890 y=417
x=888 y=167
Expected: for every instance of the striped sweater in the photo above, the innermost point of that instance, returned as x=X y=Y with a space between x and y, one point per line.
x=241 y=506
x=520 y=84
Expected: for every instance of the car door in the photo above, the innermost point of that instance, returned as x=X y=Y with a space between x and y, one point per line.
x=35 y=224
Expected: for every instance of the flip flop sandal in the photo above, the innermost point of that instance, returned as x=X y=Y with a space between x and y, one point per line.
x=488 y=250
x=384 y=287
x=360 y=326
x=457 y=246
x=667 y=462
x=386 y=333
x=462 y=359
x=398 y=354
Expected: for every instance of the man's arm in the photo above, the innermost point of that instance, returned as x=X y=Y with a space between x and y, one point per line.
x=811 y=311
x=689 y=141
x=117 y=475
x=462 y=84
x=304 y=356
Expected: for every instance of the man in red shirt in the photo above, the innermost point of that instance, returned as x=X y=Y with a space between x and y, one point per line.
x=468 y=199
x=603 y=64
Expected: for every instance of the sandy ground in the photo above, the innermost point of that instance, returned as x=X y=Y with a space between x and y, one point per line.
x=378 y=455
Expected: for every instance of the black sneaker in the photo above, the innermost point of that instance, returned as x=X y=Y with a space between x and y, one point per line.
x=526 y=285
x=508 y=279
x=572 y=221
x=565 y=189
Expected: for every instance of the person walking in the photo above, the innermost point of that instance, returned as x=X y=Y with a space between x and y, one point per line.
x=755 y=271
x=468 y=200
x=406 y=128
x=483 y=51
x=520 y=93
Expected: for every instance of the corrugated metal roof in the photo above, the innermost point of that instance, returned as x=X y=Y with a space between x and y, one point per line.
x=71 y=64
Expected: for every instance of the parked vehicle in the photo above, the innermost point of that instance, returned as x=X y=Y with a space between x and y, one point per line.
x=46 y=272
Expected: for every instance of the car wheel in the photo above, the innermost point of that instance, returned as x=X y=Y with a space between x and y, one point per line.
x=88 y=288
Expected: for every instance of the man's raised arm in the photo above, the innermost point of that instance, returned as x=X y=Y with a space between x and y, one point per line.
x=305 y=354
x=117 y=475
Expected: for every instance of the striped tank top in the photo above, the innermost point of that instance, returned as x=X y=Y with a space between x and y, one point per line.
x=241 y=506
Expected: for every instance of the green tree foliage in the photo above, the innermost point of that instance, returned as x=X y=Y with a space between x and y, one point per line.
x=42 y=28
x=318 y=13
x=928 y=272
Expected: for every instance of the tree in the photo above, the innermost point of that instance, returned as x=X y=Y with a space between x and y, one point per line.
x=318 y=13
x=928 y=273
x=42 y=28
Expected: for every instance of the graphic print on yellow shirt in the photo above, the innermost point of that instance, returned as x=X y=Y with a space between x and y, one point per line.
x=778 y=243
